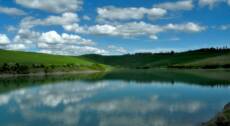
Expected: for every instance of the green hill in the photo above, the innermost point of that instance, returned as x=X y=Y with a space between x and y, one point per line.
x=203 y=58
x=218 y=60
x=27 y=62
x=16 y=62
x=38 y=58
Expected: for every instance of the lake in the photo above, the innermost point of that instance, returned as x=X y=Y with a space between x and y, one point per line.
x=120 y=98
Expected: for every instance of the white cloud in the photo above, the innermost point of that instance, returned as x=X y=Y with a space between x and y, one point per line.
x=56 y=6
x=187 y=27
x=26 y=36
x=154 y=37
x=16 y=46
x=113 y=13
x=69 y=21
x=134 y=29
x=4 y=99
x=63 y=20
x=4 y=40
x=228 y=2
x=87 y=18
x=66 y=44
x=157 y=50
x=117 y=50
x=53 y=37
x=61 y=49
x=210 y=3
x=66 y=18
x=126 y=30
x=52 y=42
x=74 y=28
x=179 y=5
x=224 y=27
x=174 y=39
x=104 y=29
x=11 y=28
x=12 y=11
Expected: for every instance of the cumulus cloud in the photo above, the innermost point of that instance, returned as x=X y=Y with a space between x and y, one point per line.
x=222 y=27
x=63 y=20
x=187 y=27
x=53 y=37
x=16 y=46
x=11 y=28
x=134 y=29
x=210 y=3
x=24 y=40
x=228 y=2
x=113 y=13
x=69 y=21
x=87 y=18
x=56 y=6
x=117 y=50
x=4 y=39
x=153 y=37
x=12 y=11
x=179 y=5
x=74 y=50
x=66 y=44
x=125 y=30
x=51 y=41
x=75 y=27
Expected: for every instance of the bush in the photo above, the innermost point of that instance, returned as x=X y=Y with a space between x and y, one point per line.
x=14 y=68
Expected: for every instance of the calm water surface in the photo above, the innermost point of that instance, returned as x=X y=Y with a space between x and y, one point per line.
x=118 y=99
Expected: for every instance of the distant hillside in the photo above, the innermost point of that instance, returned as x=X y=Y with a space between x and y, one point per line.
x=26 y=62
x=202 y=58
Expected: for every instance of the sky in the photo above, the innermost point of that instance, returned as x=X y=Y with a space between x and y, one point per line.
x=113 y=27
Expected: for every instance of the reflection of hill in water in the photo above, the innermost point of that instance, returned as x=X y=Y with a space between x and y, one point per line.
x=197 y=77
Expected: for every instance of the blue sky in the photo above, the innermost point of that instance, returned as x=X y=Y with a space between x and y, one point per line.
x=112 y=27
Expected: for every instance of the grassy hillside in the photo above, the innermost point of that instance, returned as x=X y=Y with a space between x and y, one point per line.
x=16 y=62
x=38 y=58
x=26 y=62
x=218 y=60
x=191 y=59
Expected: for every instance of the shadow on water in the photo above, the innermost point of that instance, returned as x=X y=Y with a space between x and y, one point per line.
x=193 y=77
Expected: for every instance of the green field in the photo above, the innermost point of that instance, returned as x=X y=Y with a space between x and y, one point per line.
x=38 y=58
x=16 y=62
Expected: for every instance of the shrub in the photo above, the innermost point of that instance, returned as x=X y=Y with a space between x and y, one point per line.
x=5 y=68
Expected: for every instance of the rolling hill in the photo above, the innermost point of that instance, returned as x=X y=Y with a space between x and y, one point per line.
x=17 y=62
x=202 y=58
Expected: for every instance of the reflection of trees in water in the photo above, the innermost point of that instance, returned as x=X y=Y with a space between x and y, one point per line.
x=198 y=77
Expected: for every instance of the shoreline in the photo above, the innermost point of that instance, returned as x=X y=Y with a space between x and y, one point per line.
x=50 y=73
x=3 y=75
x=221 y=119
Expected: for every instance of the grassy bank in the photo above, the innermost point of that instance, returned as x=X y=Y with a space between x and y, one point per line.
x=16 y=62
x=221 y=119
